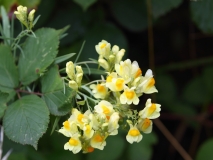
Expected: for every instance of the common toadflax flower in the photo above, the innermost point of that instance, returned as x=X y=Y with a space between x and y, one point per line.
x=102 y=106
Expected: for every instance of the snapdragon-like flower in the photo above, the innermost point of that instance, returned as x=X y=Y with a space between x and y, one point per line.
x=145 y=125
x=133 y=135
x=100 y=90
x=129 y=96
x=98 y=141
x=151 y=111
x=109 y=101
x=73 y=145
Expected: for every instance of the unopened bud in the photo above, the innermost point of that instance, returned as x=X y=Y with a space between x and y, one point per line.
x=79 y=77
x=111 y=58
x=73 y=85
x=79 y=69
x=103 y=63
x=115 y=49
x=70 y=70
x=119 y=55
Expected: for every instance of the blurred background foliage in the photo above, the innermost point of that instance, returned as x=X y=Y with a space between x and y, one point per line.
x=183 y=47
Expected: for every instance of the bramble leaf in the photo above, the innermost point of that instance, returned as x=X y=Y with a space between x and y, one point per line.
x=26 y=120
x=38 y=54
x=59 y=98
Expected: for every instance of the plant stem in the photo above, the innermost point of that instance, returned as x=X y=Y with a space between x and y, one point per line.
x=23 y=91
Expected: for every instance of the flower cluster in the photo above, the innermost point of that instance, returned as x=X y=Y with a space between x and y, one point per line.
x=23 y=16
x=112 y=97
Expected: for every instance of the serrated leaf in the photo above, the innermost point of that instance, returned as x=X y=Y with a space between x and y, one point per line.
x=26 y=120
x=3 y=100
x=205 y=150
x=202 y=14
x=38 y=54
x=160 y=8
x=85 y=3
x=113 y=150
x=58 y=99
x=9 y=73
x=131 y=15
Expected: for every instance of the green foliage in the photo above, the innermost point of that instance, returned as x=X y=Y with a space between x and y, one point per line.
x=85 y=3
x=26 y=120
x=29 y=3
x=9 y=73
x=143 y=149
x=57 y=96
x=3 y=99
x=196 y=92
x=127 y=14
x=160 y=8
x=38 y=54
x=112 y=151
x=205 y=150
x=202 y=14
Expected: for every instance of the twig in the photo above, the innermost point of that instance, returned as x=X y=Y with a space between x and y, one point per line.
x=172 y=140
x=23 y=91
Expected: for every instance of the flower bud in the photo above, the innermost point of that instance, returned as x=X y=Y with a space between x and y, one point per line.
x=79 y=69
x=111 y=58
x=103 y=63
x=73 y=85
x=79 y=77
x=70 y=70
x=119 y=56
x=115 y=49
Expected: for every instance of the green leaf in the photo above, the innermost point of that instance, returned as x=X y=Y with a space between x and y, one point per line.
x=160 y=8
x=58 y=99
x=3 y=100
x=143 y=149
x=195 y=92
x=202 y=14
x=85 y=3
x=64 y=58
x=29 y=3
x=6 y=25
x=9 y=73
x=112 y=151
x=26 y=120
x=38 y=54
x=132 y=15
x=205 y=150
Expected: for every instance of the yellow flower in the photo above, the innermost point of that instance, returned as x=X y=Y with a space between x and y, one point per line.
x=151 y=111
x=129 y=96
x=104 y=107
x=98 y=141
x=103 y=49
x=100 y=90
x=113 y=124
x=145 y=125
x=69 y=128
x=133 y=135
x=116 y=84
x=124 y=70
x=148 y=82
x=73 y=145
